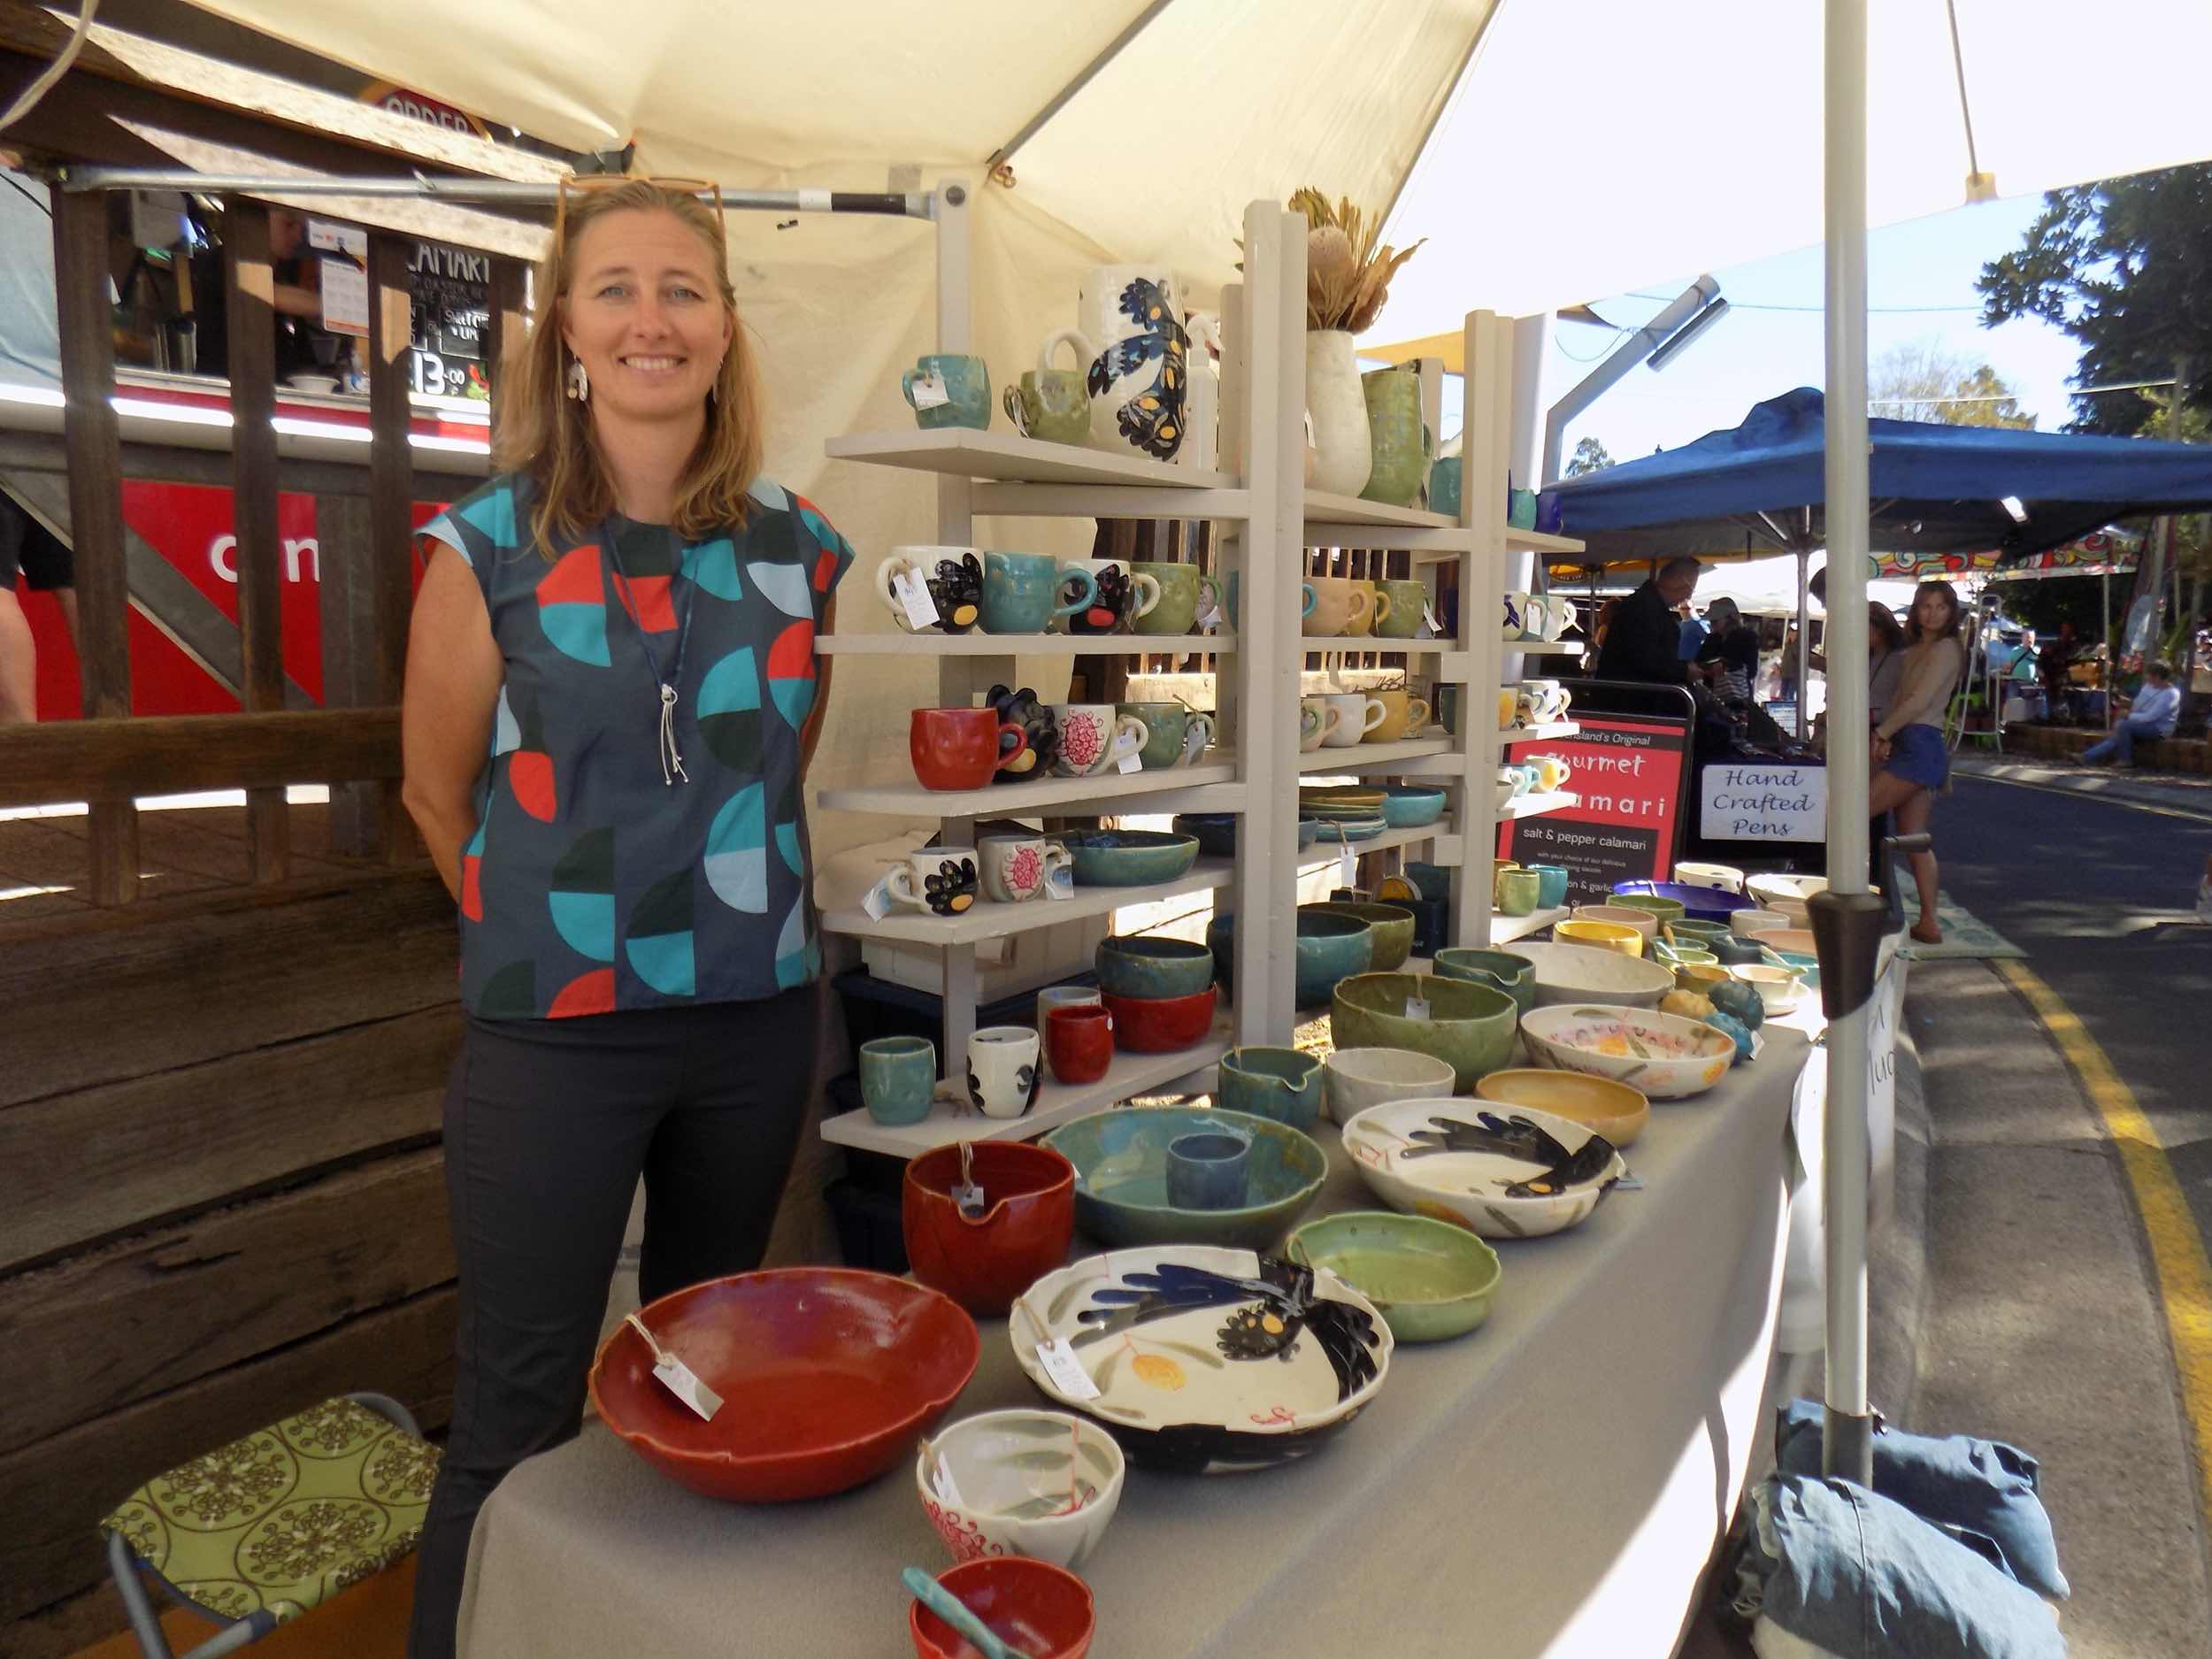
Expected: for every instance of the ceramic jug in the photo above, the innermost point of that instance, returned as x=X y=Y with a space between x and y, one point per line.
x=1336 y=412
x=1397 y=436
x=1135 y=357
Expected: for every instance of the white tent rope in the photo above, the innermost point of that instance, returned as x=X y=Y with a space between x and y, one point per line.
x=54 y=71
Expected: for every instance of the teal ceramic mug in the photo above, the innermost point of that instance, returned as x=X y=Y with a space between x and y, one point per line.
x=1180 y=587
x=948 y=389
x=1021 y=591
x=898 y=1077
x=1175 y=734
x=1552 y=886
x=1305 y=608
x=1444 y=487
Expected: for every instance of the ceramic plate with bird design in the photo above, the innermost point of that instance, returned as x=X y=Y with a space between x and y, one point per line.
x=1206 y=1359
x=1501 y=1171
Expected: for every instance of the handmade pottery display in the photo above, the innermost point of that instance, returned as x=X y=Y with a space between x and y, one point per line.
x=1342 y=801
x=1398 y=438
x=1403 y=714
x=1358 y=714
x=1330 y=946
x=1778 y=990
x=1176 y=733
x=1391 y=925
x=1412 y=805
x=1336 y=410
x=961 y=749
x=1701 y=977
x=1022 y=592
x=1080 y=1042
x=1784 y=894
x=1116 y=597
x=1040 y=1610
x=1146 y=965
x=1504 y=971
x=1160 y=1024
x=1644 y=924
x=1790 y=941
x=1621 y=936
x=898 y=1078
x=1398 y=609
x=1184 y=595
x=1613 y=1110
x=1281 y=1084
x=1039 y=1484
x=1207 y=1169
x=1050 y=404
x=953 y=575
x=1093 y=738
x=1725 y=878
x=1062 y=996
x=1016 y=868
x=1352 y=829
x=1444 y=486
x=1120 y=1159
x=1745 y=922
x=1003 y=1072
x=983 y=1261
x=1733 y=947
x=1658 y=907
x=1207 y=1359
x=1317 y=719
x=1037 y=724
x=1470 y=1027
x=1518 y=891
x=1337 y=602
x=946 y=389
x=1359 y=1078
x=1129 y=858
x=1698 y=903
x=941 y=881
x=1665 y=1057
x=1431 y=1281
x=828 y=1376
x=1501 y=1171
x=1131 y=343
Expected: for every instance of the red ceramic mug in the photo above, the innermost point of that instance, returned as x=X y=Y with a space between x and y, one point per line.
x=1079 y=1041
x=960 y=749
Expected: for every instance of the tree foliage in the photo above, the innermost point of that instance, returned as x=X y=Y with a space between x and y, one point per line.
x=1923 y=381
x=1589 y=457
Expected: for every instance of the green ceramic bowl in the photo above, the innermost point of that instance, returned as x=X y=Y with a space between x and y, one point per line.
x=1665 y=910
x=1429 y=1279
x=1470 y=1027
x=1689 y=931
x=1120 y=1160
x=1129 y=858
x=1500 y=970
x=1143 y=965
x=1281 y=1084
x=1330 y=946
x=1393 y=925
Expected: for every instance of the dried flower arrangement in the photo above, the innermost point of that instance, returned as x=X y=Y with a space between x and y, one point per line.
x=1347 y=274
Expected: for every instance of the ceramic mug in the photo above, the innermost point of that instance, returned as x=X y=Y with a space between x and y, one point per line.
x=940 y=880
x=1095 y=738
x=1021 y=591
x=1518 y=891
x=1520 y=509
x=1498 y=867
x=1050 y=404
x=1447 y=708
x=954 y=576
x=960 y=749
x=1525 y=617
x=1318 y=718
x=1181 y=586
x=1525 y=775
x=1553 y=891
x=898 y=1079
x=1176 y=734
x=1559 y=615
x=1062 y=996
x=1016 y=868
x=1207 y=1170
x=1337 y=602
x=1547 y=700
x=1403 y=712
x=1132 y=347
x=1444 y=487
x=1509 y=708
x=1365 y=617
x=948 y=389
x=1551 y=773
x=1357 y=713
x=1398 y=609
x=1003 y=1070
x=1305 y=605
x=1080 y=1042
x=1117 y=597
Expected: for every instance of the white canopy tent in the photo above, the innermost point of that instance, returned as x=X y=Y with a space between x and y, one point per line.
x=1768 y=588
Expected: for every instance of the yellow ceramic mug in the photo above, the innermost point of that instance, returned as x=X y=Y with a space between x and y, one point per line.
x=1498 y=867
x=1403 y=712
x=1627 y=941
x=1365 y=618
x=1509 y=705
x=1341 y=605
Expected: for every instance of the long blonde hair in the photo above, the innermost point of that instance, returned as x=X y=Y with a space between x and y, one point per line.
x=548 y=434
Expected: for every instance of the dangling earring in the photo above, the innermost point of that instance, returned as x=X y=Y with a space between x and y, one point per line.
x=579 y=381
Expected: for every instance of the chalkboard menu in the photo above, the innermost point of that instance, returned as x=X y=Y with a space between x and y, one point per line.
x=1629 y=771
x=452 y=318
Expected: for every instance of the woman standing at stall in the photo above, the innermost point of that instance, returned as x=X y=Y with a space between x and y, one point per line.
x=612 y=694
x=1907 y=742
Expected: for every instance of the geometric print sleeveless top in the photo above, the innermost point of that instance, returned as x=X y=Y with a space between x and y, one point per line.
x=592 y=884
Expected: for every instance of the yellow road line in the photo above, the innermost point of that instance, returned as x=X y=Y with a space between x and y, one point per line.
x=2177 y=1252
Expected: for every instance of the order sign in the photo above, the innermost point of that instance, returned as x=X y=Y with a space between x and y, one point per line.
x=1754 y=803
x=1628 y=771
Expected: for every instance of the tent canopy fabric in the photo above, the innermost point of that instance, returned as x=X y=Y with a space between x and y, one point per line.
x=1936 y=488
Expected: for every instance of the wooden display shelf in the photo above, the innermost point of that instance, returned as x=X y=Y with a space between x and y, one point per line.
x=988 y=920
x=1538 y=733
x=1001 y=458
x=1324 y=512
x=1441 y=831
x=1505 y=929
x=1051 y=794
x=1057 y=1104
x=1358 y=758
x=1545 y=648
x=1516 y=541
x=1022 y=644
x=1537 y=805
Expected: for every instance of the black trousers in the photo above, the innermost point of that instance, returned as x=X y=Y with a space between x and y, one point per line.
x=548 y=1123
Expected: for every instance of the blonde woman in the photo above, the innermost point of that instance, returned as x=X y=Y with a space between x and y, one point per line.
x=1908 y=749
x=612 y=694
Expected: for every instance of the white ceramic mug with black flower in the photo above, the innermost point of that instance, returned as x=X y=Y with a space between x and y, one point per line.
x=1002 y=1073
x=940 y=880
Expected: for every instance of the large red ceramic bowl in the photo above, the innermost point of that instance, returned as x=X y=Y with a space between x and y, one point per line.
x=1160 y=1024
x=985 y=1262
x=828 y=1376
x=1036 y=1607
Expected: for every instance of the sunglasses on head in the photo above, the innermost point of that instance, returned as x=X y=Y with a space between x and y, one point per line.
x=588 y=183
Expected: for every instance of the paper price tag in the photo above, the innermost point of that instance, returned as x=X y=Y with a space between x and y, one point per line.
x=1209 y=619
x=1628 y=1184
x=686 y=1387
x=1131 y=763
x=1060 y=884
x=877 y=900
x=912 y=593
x=948 y=1489
x=1065 y=1370
x=1416 y=1008
x=1429 y=621
x=1347 y=867
x=929 y=391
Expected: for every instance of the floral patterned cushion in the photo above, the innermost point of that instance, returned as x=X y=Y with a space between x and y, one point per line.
x=274 y=1523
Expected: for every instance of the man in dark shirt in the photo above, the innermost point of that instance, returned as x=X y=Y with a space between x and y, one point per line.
x=1643 y=642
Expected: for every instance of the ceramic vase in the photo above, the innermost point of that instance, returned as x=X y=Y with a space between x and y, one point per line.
x=1398 y=439
x=1342 y=446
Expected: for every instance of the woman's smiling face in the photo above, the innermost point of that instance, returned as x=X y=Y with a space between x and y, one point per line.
x=644 y=314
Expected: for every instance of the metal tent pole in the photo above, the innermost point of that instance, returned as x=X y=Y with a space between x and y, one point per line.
x=1804 y=643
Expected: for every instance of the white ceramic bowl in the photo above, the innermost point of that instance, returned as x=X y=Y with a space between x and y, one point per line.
x=1779 y=990
x=1360 y=1077
x=1796 y=941
x=1467 y=1187
x=1666 y=1056
x=1040 y=1484
x=1786 y=894
x=1593 y=973
x=1644 y=922
x=1744 y=924
x=1727 y=878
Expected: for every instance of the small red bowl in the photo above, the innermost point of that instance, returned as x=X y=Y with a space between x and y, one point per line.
x=828 y=1376
x=1160 y=1024
x=1033 y=1606
x=984 y=1262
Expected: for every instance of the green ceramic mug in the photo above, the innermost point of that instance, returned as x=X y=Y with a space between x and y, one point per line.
x=1175 y=734
x=898 y=1076
x=1517 y=891
x=1051 y=405
x=1398 y=608
x=1181 y=586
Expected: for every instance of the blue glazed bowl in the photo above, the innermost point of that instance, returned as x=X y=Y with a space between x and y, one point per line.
x=1331 y=945
x=1129 y=858
x=1142 y=966
x=1410 y=806
x=1281 y=1084
x=1120 y=1160
x=1699 y=905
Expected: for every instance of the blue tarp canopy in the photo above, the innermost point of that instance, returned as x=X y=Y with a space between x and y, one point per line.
x=1760 y=487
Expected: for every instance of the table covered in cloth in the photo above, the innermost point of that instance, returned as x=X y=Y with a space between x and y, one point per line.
x=1549 y=1484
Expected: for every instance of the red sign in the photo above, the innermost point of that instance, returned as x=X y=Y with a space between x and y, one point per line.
x=1629 y=772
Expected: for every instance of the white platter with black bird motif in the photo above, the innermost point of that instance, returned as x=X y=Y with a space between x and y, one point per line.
x=1501 y=1172
x=1206 y=1359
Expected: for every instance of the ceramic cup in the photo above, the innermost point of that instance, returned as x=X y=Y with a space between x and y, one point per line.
x=1518 y=891
x=1117 y=599
x=1062 y=996
x=1447 y=708
x=1305 y=602
x=1094 y=738
x=1364 y=616
x=1520 y=509
x=1080 y=1042
x=1525 y=776
x=1207 y=1170
x=1175 y=734
x=1017 y=867
x=1552 y=886
x=1403 y=712
x=1002 y=1073
x=1337 y=602
x=1050 y=404
x=1022 y=591
x=954 y=576
x=1398 y=606
x=1528 y=617
x=898 y=1077
x=1547 y=700
x=1181 y=585
x=1509 y=708
x=948 y=389
x=940 y=880
x=1444 y=487
x=1318 y=718
x=960 y=749
x=1551 y=773
x=1358 y=714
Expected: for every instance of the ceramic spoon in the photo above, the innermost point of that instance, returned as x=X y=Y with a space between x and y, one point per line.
x=954 y=1612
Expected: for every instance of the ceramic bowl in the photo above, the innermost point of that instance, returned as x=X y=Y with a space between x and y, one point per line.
x=1786 y=894
x=1356 y=1078
x=1665 y=1057
x=1160 y=1024
x=1659 y=909
x=1412 y=806
x=1644 y=922
x=1469 y=1026
x=1621 y=936
x=1330 y=946
x=1039 y=1484
x=1468 y=1188
x=1146 y=964
x=1128 y=858
x=1429 y=1279
x=1120 y=1159
x=1350 y=829
x=1688 y=930
x=1342 y=800
x=1701 y=976
x=1207 y=1359
x=828 y=1376
x=1282 y=1084
x=1043 y=1610
x=1744 y=924
x=983 y=1261
x=1698 y=903
x=1779 y=990
x=1216 y=832
x=1567 y=972
x=1392 y=925
x=1506 y=971
x=1724 y=878
x=1789 y=941
x=1613 y=1110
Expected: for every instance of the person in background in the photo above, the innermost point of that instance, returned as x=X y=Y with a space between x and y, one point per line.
x=1646 y=633
x=2057 y=660
x=1885 y=659
x=1729 y=658
x=298 y=299
x=1907 y=744
x=1693 y=635
x=2151 y=715
x=30 y=358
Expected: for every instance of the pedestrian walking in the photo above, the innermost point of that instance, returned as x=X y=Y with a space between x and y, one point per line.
x=1908 y=741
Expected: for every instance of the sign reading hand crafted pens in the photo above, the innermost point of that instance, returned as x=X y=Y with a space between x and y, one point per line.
x=1628 y=772
x=1762 y=803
